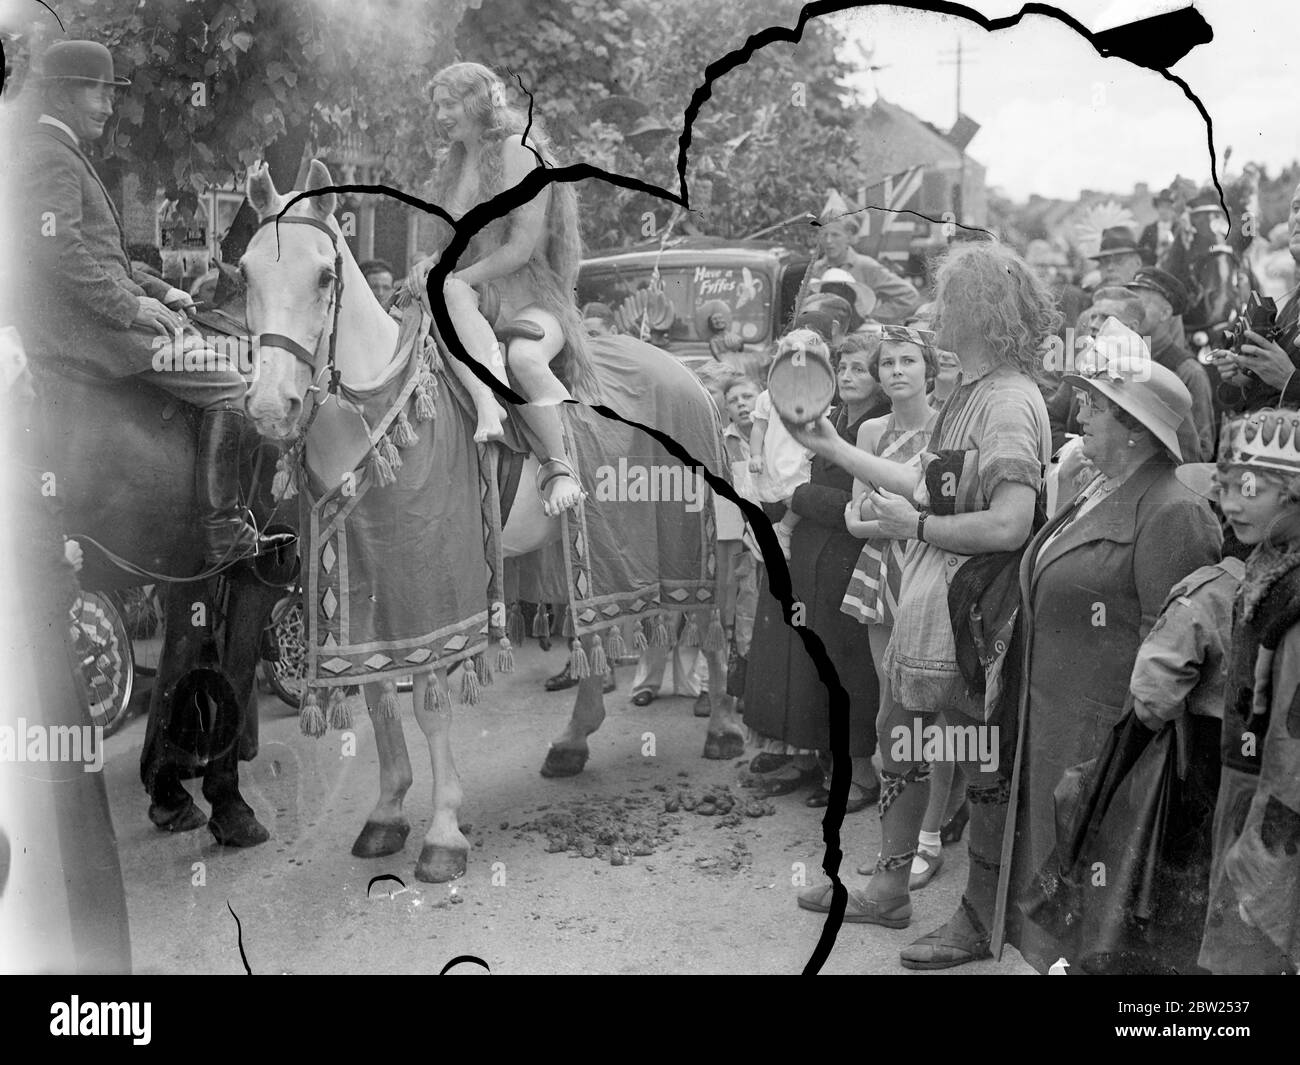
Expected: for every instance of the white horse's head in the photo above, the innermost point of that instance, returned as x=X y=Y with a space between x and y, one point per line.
x=289 y=271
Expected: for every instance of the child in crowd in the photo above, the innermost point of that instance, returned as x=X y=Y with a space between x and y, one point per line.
x=1253 y=920
x=778 y=461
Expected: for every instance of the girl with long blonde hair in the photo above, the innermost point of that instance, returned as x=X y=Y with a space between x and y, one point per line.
x=530 y=259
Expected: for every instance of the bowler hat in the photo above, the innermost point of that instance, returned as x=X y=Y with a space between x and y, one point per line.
x=1166 y=284
x=79 y=61
x=1163 y=196
x=1117 y=240
x=1124 y=372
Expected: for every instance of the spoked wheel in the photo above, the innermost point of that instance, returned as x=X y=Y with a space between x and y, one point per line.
x=105 y=660
x=287 y=675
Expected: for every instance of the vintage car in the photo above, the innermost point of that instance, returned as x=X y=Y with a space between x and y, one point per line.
x=713 y=298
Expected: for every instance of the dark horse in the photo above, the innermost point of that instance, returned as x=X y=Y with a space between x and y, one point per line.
x=122 y=453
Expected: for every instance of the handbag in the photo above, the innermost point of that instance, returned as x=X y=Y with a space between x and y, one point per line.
x=1127 y=886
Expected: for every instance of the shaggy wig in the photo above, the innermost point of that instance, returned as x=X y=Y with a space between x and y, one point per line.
x=995 y=294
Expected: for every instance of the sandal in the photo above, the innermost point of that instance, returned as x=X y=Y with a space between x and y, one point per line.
x=889 y=913
x=773 y=786
x=821 y=798
x=946 y=947
x=552 y=473
x=642 y=698
x=768 y=762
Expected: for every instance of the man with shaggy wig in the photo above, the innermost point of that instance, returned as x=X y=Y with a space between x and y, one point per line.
x=994 y=434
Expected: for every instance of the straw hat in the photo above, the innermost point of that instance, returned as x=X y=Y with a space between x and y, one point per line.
x=864 y=299
x=1119 y=366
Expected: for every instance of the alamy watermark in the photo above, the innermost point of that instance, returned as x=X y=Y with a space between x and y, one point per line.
x=1127 y=356
x=53 y=743
x=919 y=742
x=626 y=483
x=195 y=353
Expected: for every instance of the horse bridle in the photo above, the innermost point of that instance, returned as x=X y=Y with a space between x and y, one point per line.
x=287 y=343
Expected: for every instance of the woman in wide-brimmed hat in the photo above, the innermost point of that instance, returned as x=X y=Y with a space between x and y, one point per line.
x=1092 y=583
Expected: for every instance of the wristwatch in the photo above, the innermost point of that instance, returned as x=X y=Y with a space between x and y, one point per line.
x=920 y=525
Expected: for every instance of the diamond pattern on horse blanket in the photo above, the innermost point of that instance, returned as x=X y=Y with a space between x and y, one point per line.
x=396 y=579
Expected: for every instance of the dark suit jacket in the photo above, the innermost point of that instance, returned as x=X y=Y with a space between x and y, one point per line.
x=1257 y=394
x=79 y=293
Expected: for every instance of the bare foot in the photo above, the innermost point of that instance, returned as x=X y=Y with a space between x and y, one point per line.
x=562 y=493
x=490 y=416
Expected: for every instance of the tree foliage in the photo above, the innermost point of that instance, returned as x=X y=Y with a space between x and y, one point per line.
x=773 y=136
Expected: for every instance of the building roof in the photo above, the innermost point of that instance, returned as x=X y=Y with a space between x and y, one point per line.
x=894 y=139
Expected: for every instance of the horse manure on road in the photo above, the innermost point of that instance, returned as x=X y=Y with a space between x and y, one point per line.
x=611 y=830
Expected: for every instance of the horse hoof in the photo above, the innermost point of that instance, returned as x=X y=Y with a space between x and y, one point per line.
x=235 y=825
x=439 y=864
x=564 y=761
x=380 y=840
x=183 y=818
x=722 y=745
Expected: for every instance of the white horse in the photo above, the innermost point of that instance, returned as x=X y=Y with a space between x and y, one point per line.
x=288 y=271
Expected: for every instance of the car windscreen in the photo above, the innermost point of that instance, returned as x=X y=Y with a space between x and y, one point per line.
x=689 y=295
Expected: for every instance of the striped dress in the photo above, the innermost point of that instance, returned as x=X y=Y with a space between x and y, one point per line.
x=872 y=594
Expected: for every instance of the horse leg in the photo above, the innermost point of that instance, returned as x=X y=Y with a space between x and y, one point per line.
x=171 y=808
x=726 y=736
x=445 y=849
x=248 y=609
x=568 y=754
x=386 y=827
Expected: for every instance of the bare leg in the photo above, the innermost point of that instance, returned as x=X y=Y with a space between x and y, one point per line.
x=478 y=339
x=445 y=849
x=530 y=362
x=386 y=826
x=726 y=736
x=568 y=752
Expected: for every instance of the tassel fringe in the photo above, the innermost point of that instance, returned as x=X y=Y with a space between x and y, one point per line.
x=541 y=622
x=425 y=391
x=310 y=719
x=483 y=670
x=505 y=655
x=284 y=485
x=403 y=434
x=469 y=686
x=617 y=645
x=691 y=637
x=599 y=663
x=436 y=698
x=381 y=470
x=716 y=638
x=566 y=629
x=660 y=638
x=340 y=713
x=387 y=706
x=515 y=624
x=639 y=641
x=578 y=665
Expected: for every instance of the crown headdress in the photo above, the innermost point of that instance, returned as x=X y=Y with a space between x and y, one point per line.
x=1264 y=440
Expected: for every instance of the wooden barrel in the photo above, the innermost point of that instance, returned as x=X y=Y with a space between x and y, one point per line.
x=802 y=385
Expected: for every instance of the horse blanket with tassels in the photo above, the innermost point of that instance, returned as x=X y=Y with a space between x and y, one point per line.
x=641 y=549
x=396 y=564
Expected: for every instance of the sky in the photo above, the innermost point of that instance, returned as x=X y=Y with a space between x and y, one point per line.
x=1057 y=118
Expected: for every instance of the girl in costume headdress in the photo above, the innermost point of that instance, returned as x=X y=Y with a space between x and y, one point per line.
x=529 y=257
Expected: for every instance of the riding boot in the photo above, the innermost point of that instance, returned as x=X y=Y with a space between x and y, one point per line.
x=227 y=533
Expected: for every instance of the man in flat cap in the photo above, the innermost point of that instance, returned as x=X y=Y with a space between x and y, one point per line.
x=1164 y=300
x=85 y=306
x=1158 y=236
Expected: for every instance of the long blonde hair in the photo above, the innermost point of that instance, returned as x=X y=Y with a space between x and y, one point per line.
x=484 y=98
